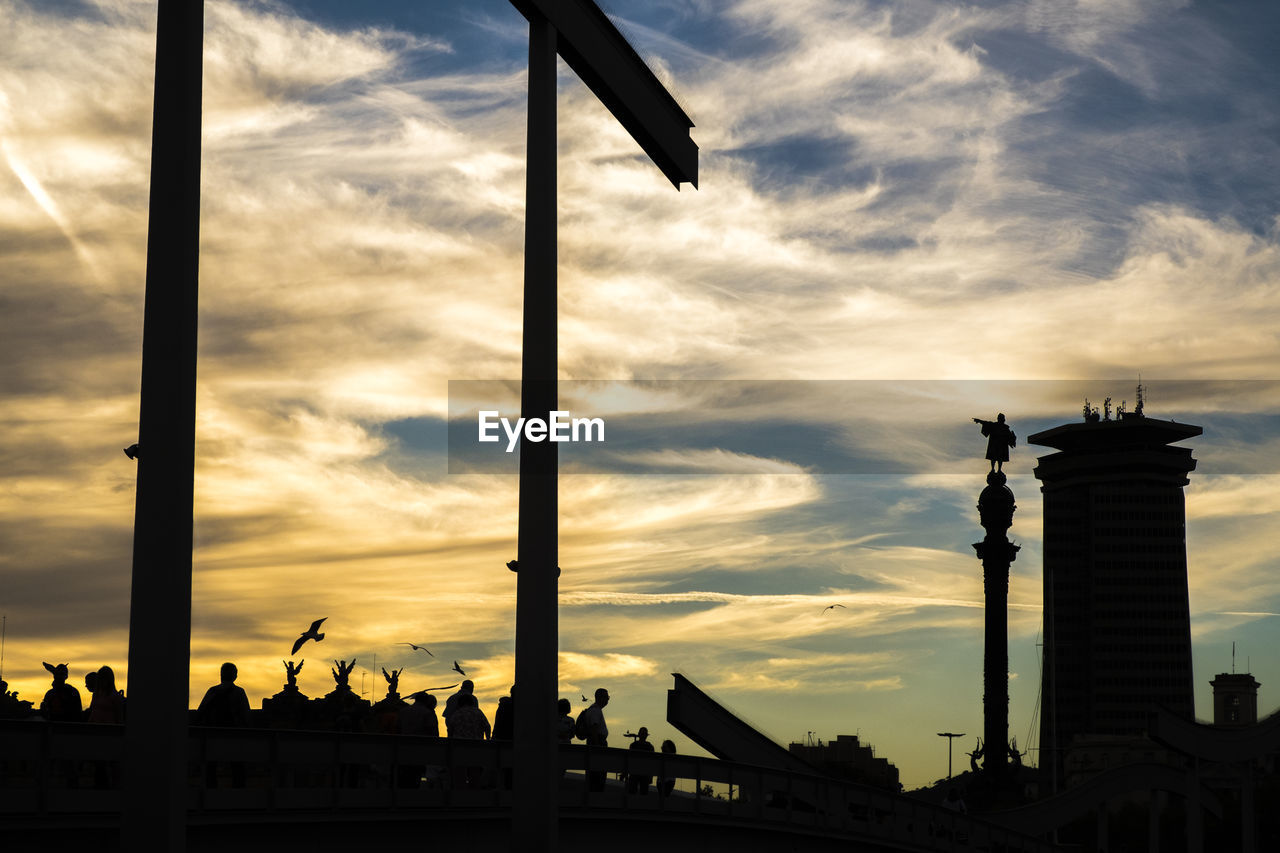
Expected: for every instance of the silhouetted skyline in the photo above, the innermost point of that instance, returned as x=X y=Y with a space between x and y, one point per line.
x=881 y=185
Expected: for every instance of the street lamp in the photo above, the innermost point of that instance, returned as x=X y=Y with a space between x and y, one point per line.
x=950 y=736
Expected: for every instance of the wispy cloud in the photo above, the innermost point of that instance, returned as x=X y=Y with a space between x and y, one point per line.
x=921 y=191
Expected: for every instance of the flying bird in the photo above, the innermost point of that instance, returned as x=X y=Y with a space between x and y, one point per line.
x=309 y=634
x=458 y=669
x=416 y=648
x=829 y=606
x=585 y=699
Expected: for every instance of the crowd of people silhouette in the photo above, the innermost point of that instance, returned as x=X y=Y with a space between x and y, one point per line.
x=226 y=705
x=62 y=702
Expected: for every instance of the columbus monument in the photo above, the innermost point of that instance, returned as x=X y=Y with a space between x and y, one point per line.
x=995 y=512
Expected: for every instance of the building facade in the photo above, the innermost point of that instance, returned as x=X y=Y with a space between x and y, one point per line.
x=847 y=758
x=1235 y=699
x=1117 y=626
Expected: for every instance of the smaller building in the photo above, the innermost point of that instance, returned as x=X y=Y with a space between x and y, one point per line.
x=846 y=758
x=1235 y=700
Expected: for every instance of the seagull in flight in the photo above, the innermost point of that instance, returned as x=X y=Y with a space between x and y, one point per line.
x=416 y=648
x=829 y=606
x=309 y=634
x=457 y=668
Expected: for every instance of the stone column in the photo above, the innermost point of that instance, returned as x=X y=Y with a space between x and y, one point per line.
x=995 y=511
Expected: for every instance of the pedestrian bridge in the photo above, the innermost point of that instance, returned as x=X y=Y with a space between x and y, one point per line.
x=259 y=788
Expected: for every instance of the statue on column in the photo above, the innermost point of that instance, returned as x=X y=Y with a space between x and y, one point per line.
x=387 y=710
x=288 y=708
x=996 y=506
x=291 y=674
x=343 y=709
x=1000 y=438
x=342 y=676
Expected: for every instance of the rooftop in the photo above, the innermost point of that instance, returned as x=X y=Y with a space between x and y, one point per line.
x=1129 y=430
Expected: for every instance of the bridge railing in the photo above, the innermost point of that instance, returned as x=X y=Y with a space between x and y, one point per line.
x=726 y=790
x=52 y=769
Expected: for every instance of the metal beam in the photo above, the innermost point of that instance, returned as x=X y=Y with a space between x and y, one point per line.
x=155 y=767
x=604 y=60
x=723 y=734
x=578 y=31
x=536 y=776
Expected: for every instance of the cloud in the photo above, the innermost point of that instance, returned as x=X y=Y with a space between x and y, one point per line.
x=921 y=192
x=576 y=667
x=711 y=462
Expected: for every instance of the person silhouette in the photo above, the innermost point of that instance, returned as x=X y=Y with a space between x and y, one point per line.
x=667 y=784
x=468 y=722
x=107 y=705
x=419 y=720
x=62 y=702
x=504 y=717
x=451 y=704
x=90 y=684
x=640 y=784
x=504 y=728
x=11 y=707
x=224 y=704
x=564 y=721
x=591 y=727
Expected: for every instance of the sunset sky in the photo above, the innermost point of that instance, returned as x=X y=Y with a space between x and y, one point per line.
x=910 y=214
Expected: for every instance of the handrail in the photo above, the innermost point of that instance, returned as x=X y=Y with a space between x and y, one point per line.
x=50 y=769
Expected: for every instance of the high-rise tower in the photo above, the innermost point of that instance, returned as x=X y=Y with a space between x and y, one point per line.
x=1117 y=626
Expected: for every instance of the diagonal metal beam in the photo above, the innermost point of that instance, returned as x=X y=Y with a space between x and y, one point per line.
x=603 y=59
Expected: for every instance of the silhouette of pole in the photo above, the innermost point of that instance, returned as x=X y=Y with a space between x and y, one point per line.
x=536 y=780
x=950 y=736
x=995 y=508
x=579 y=32
x=155 y=767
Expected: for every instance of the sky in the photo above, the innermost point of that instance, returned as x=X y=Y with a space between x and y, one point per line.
x=909 y=214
